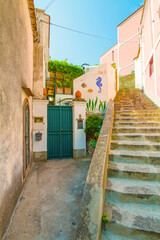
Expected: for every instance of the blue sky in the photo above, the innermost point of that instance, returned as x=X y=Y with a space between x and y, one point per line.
x=98 y=17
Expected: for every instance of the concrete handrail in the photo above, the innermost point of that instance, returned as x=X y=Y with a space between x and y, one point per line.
x=94 y=191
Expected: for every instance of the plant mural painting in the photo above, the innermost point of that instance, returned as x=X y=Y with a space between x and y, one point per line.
x=99 y=84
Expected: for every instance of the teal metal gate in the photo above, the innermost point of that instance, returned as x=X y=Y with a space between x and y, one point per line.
x=59 y=132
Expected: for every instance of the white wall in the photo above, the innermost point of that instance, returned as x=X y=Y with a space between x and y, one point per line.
x=40 y=110
x=138 y=73
x=79 y=136
x=91 y=90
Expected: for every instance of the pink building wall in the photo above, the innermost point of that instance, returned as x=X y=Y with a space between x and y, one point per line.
x=156 y=5
x=158 y=68
x=128 y=40
x=107 y=57
x=128 y=44
x=127 y=52
x=150 y=48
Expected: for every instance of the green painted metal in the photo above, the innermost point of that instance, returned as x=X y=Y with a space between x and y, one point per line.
x=59 y=132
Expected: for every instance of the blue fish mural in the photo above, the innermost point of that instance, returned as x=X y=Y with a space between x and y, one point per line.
x=99 y=84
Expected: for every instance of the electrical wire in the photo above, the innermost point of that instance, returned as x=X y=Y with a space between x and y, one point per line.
x=73 y=30
x=84 y=33
x=49 y=4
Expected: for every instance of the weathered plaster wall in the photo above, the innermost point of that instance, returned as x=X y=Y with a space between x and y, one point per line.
x=91 y=90
x=41 y=53
x=16 y=70
x=38 y=71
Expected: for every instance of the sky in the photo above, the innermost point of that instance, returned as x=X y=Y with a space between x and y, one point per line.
x=97 y=17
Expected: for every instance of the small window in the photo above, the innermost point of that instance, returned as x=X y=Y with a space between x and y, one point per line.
x=151 y=67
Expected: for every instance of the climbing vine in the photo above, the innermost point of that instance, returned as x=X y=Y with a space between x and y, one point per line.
x=68 y=71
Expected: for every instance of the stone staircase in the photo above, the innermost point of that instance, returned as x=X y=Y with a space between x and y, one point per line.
x=133 y=184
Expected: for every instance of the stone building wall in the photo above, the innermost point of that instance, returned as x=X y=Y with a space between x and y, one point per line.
x=16 y=71
x=41 y=53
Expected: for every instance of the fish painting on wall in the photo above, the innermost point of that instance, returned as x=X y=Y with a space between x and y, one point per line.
x=99 y=84
x=83 y=85
x=90 y=90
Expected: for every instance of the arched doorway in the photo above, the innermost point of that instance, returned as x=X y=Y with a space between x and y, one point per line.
x=26 y=137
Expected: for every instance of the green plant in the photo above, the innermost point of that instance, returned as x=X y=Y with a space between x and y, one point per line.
x=158 y=140
x=91 y=105
x=104 y=218
x=93 y=143
x=69 y=71
x=93 y=126
x=102 y=107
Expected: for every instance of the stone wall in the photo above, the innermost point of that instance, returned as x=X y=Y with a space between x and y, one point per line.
x=16 y=71
x=94 y=192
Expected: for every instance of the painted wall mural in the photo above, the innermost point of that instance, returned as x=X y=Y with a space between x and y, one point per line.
x=99 y=84
x=83 y=85
x=90 y=90
x=91 y=106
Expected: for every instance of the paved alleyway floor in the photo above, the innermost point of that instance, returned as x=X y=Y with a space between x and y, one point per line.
x=49 y=207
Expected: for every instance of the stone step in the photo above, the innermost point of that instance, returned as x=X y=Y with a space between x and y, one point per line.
x=135 y=157
x=140 y=115
x=136 y=216
x=131 y=104
x=137 y=124
x=135 y=145
x=119 y=232
x=134 y=171
x=128 y=99
x=136 y=119
x=133 y=129
x=136 y=191
x=137 y=111
x=152 y=137
x=141 y=108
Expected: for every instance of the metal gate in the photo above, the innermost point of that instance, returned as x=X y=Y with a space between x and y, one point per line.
x=59 y=132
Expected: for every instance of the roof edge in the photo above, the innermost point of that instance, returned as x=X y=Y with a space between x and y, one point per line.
x=32 y=14
x=130 y=16
x=144 y=6
x=109 y=49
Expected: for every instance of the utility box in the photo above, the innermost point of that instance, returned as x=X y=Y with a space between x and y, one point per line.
x=38 y=136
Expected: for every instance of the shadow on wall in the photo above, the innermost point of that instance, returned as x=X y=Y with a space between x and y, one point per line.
x=127 y=81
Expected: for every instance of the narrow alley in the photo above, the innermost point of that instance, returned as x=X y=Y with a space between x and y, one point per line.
x=49 y=204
